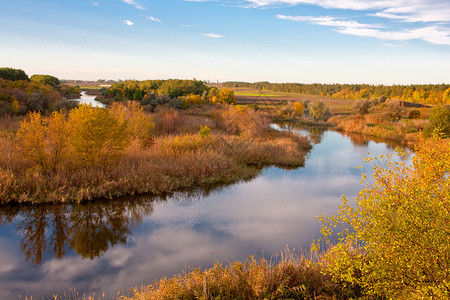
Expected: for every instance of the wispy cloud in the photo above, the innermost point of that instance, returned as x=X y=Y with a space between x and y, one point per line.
x=407 y=11
x=154 y=19
x=95 y=4
x=213 y=35
x=327 y=21
x=134 y=3
x=433 y=34
x=128 y=22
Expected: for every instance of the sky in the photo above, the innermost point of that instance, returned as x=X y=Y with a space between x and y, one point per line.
x=307 y=41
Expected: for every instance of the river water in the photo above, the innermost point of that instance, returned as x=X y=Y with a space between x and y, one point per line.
x=109 y=246
x=88 y=99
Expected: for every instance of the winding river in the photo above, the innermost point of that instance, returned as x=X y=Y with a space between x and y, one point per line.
x=108 y=247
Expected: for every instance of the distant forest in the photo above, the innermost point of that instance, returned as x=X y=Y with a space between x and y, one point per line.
x=420 y=93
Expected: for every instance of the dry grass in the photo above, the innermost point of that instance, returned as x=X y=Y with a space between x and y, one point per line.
x=405 y=131
x=167 y=163
x=290 y=276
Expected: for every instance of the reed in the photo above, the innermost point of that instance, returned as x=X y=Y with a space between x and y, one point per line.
x=288 y=276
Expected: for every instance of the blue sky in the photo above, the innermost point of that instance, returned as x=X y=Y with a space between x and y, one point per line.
x=327 y=41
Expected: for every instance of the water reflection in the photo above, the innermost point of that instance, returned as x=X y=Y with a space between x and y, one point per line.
x=89 y=229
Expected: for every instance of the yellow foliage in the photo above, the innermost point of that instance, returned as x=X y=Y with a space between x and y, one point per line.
x=298 y=108
x=227 y=96
x=137 y=121
x=42 y=140
x=396 y=241
x=95 y=136
x=31 y=136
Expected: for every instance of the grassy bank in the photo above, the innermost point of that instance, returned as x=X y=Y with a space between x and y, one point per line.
x=290 y=276
x=236 y=146
x=382 y=125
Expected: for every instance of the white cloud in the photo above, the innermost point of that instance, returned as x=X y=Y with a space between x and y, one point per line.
x=213 y=35
x=128 y=22
x=134 y=3
x=327 y=21
x=430 y=18
x=433 y=34
x=95 y=3
x=405 y=10
x=154 y=19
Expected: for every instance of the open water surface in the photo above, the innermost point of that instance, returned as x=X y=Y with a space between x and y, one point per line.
x=105 y=247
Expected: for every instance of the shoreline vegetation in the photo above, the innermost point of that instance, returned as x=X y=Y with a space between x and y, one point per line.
x=59 y=159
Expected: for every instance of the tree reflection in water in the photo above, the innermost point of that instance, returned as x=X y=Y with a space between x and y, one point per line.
x=87 y=228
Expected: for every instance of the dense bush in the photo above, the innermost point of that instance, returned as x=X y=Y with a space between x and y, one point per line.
x=362 y=106
x=319 y=111
x=395 y=242
x=439 y=122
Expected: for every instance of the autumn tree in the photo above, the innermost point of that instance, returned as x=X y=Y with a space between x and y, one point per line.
x=319 y=111
x=213 y=95
x=42 y=141
x=439 y=121
x=46 y=79
x=227 y=96
x=13 y=74
x=299 y=108
x=95 y=136
x=139 y=124
x=362 y=106
x=395 y=240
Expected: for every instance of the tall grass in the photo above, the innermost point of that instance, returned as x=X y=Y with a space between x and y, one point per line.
x=290 y=276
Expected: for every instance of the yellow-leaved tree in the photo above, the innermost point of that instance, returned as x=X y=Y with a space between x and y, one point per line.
x=95 y=136
x=42 y=141
x=138 y=123
x=396 y=239
x=298 y=108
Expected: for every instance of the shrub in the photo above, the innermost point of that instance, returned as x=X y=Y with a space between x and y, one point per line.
x=414 y=114
x=319 y=111
x=168 y=121
x=362 y=106
x=227 y=96
x=394 y=111
x=139 y=124
x=395 y=240
x=298 y=108
x=244 y=122
x=439 y=122
x=286 y=111
x=204 y=131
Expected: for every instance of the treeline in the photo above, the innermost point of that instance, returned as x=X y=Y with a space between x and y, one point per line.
x=175 y=93
x=420 y=93
x=136 y=90
x=20 y=93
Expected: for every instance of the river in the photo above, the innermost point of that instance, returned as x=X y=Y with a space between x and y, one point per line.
x=110 y=246
x=88 y=99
